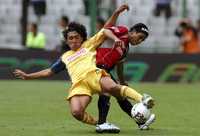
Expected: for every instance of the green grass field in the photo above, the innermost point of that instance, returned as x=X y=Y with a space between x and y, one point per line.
x=37 y=108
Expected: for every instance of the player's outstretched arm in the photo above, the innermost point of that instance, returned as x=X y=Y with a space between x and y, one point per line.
x=22 y=75
x=109 y=34
x=112 y=20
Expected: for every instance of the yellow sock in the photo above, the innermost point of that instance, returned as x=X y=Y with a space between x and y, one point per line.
x=88 y=119
x=126 y=91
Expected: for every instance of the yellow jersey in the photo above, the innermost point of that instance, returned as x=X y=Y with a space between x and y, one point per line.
x=82 y=61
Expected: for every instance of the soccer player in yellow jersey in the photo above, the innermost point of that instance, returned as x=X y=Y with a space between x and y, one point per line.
x=86 y=78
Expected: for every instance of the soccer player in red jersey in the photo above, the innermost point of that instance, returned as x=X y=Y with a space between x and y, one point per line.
x=108 y=58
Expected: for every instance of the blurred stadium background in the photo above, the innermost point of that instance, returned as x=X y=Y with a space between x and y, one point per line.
x=29 y=108
x=11 y=18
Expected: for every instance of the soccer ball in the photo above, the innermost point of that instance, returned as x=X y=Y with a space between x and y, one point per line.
x=140 y=113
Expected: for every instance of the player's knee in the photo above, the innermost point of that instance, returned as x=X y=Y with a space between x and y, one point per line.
x=113 y=88
x=78 y=114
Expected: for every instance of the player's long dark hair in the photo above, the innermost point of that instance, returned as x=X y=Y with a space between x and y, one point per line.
x=79 y=28
x=140 y=27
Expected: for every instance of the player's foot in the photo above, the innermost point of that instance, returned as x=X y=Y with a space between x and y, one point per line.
x=148 y=101
x=146 y=125
x=107 y=128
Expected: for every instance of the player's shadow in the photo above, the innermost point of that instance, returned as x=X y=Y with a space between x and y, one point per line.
x=137 y=132
x=81 y=132
x=126 y=132
x=130 y=132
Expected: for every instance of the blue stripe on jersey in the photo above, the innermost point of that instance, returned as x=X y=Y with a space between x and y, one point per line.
x=58 y=66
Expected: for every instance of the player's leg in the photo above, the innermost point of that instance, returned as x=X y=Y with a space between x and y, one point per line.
x=78 y=105
x=103 y=125
x=103 y=107
x=109 y=86
x=125 y=105
x=124 y=91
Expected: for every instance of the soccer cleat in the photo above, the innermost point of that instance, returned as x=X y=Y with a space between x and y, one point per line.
x=107 y=128
x=148 y=101
x=146 y=125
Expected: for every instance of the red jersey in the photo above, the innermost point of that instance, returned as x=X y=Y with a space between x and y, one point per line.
x=108 y=57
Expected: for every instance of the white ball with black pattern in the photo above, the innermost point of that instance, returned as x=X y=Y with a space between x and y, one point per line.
x=140 y=113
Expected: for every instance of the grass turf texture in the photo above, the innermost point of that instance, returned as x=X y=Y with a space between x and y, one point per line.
x=37 y=108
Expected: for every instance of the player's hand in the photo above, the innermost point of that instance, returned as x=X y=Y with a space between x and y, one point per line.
x=122 y=8
x=119 y=43
x=20 y=74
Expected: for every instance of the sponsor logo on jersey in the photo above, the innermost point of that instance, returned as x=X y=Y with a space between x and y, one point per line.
x=79 y=53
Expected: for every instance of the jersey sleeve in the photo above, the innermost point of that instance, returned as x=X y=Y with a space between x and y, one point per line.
x=95 y=41
x=118 y=30
x=57 y=66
